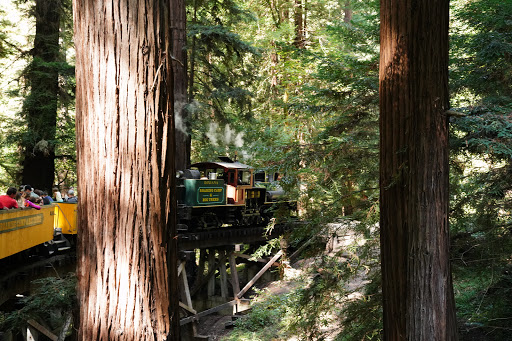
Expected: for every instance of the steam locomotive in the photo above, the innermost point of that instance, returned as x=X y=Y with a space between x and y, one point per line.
x=214 y=194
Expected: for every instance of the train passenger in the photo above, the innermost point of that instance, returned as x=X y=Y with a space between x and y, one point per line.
x=28 y=189
x=9 y=200
x=20 y=200
x=30 y=202
x=71 y=196
x=35 y=200
x=56 y=195
x=39 y=193
x=65 y=194
x=47 y=200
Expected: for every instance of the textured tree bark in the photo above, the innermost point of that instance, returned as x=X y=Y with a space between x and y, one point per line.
x=41 y=104
x=125 y=140
x=417 y=286
x=179 y=40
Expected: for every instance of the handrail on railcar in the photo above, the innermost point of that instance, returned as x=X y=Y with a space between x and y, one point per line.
x=64 y=215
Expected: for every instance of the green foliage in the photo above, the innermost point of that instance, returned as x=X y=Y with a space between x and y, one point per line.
x=221 y=69
x=319 y=127
x=9 y=155
x=266 y=249
x=52 y=298
x=481 y=170
x=265 y=321
x=6 y=47
x=483 y=288
x=481 y=167
x=47 y=115
x=267 y=313
x=486 y=130
x=481 y=50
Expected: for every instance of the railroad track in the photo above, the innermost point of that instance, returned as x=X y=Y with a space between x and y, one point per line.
x=229 y=236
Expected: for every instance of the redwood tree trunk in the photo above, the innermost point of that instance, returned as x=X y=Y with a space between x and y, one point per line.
x=417 y=286
x=40 y=106
x=125 y=140
x=179 y=40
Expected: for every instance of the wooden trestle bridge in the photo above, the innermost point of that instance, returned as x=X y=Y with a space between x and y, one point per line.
x=216 y=249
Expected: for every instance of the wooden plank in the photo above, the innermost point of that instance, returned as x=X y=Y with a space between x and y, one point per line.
x=186 y=289
x=43 y=330
x=211 y=269
x=302 y=247
x=223 y=277
x=234 y=274
x=188 y=308
x=180 y=268
x=204 y=313
x=249 y=257
x=259 y=274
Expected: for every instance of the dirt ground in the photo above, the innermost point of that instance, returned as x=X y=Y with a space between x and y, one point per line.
x=214 y=326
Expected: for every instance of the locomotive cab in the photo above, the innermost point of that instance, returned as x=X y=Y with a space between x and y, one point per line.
x=220 y=193
x=237 y=178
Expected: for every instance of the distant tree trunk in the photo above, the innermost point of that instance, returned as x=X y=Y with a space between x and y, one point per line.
x=299 y=24
x=417 y=285
x=40 y=106
x=347 y=11
x=179 y=40
x=127 y=260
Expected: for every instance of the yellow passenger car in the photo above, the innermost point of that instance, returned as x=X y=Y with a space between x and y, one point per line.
x=65 y=217
x=21 y=229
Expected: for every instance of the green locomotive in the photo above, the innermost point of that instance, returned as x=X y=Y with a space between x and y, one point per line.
x=213 y=194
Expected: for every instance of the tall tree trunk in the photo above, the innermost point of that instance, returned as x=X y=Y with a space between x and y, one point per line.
x=299 y=24
x=40 y=106
x=125 y=140
x=179 y=40
x=347 y=11
x=417 y=285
